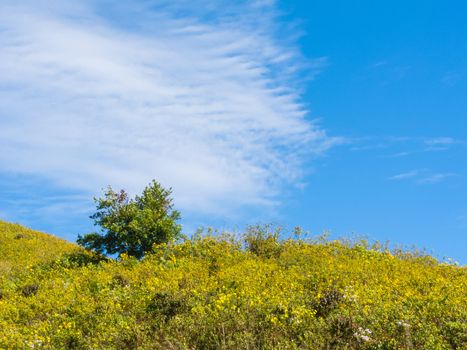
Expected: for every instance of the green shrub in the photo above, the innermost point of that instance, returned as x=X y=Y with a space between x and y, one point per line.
x=263 y=241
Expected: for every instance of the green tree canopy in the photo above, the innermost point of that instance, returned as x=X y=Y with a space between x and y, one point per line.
x=133 y=226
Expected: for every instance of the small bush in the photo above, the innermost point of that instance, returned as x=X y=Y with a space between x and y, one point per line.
x=29 y=290
x=342 y=331
x=120 y=281
x=456 y=334
x=328 y=302
x=263 y=242
x=80 y=258
x=165 y=306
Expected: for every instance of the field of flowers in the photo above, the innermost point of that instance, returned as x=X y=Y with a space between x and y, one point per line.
x=226 y=292
x=21 y=247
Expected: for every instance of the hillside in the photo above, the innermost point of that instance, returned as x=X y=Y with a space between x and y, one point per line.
x=21 y=247
x=221 y=292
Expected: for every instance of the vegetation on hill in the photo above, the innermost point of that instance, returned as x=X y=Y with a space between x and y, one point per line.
x=225 y=292
x=21 y=247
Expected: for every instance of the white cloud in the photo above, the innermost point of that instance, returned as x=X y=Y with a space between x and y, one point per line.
x=434 y=178
x=200 y=96
x=422 y=176
x=443 y=141
x=404 y=176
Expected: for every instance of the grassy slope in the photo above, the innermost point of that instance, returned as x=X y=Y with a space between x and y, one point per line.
x=21 y=247
x=212 y=293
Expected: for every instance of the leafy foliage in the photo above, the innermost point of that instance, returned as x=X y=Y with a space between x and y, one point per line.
x=218 y=292
x=133 y=226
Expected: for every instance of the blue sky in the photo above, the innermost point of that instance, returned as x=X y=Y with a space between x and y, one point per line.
x=332 y=115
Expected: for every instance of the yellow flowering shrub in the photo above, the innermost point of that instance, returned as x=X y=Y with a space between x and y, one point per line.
x=220 y=292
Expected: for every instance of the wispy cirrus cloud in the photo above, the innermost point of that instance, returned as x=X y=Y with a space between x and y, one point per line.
x=422 y=176
x=402 y=146
x=434 y=178
x=442 y=143
x=436 y=141
x=202 y=97
x=404 y=176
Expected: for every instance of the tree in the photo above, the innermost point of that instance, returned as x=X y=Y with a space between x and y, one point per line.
x=133 y=226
